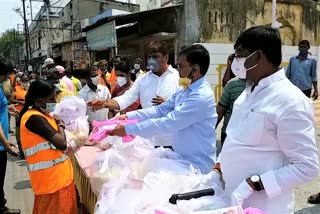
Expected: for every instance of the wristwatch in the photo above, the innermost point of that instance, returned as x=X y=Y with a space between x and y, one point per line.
x=256 y=181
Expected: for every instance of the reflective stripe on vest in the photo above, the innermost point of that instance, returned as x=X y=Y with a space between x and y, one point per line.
x=46 y=164
x=38 y=148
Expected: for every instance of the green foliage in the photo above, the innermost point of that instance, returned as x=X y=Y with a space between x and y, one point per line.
x=10 y=44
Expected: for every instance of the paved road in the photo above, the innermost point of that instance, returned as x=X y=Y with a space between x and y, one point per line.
x=19 y=193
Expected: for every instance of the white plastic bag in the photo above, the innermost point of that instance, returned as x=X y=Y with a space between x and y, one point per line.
x=78 y=136
x=109 y=164
x=69 y=109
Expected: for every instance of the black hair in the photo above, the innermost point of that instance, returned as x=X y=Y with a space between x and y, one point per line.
x=123 y=67
x=158 y=46
x=53 y=74
x=5 y=67
x=304 y=42
x=89 y=70
x=262 y=38
x=197 y=55
x=37 y=89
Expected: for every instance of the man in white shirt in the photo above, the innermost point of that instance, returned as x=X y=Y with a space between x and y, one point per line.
x=155 y=87
x=93 y=90
x=270 y=147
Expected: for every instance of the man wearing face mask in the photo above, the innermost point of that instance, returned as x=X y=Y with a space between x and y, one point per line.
x=124 y=83
x=153 y=88
x=20 y=96
x=189 y=115
x=136 y=71
x=93 y=90
x=270 y=147
x=302 y=70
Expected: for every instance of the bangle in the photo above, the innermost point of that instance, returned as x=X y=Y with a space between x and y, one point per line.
x=61 y=125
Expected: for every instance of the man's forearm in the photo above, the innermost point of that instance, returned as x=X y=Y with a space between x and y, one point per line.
x=315 y=85
x=112 y=104
x=3 y=139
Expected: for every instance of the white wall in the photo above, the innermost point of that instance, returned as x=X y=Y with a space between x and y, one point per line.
x=220 y=52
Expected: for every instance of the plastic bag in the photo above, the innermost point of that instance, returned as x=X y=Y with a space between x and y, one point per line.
x=69 y=109
x=102 y=128
x=109 y=164
x=78 y=136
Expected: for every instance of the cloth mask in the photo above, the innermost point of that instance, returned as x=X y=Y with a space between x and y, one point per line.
x=153 y=65
x=50 y=107
x=136 y=66
x=238 y=68
x=303 y=51
x=184 y=82
x=95 y=80
x=25 y=85
x=122 y=81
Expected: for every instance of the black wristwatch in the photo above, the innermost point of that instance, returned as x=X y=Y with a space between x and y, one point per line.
x=256 y=181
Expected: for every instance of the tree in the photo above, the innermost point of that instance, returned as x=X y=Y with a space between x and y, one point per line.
x=11 y=43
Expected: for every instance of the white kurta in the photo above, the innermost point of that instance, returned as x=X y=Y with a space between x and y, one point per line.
x=147 y=87
x=271 y=133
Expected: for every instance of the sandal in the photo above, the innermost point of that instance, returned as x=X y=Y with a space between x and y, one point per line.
x=314 y=199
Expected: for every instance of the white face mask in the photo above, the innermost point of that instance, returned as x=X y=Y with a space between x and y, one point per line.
x=136 y=66
x=95 y=80
x=25 y=85
x=121 y=81
x=238 y=68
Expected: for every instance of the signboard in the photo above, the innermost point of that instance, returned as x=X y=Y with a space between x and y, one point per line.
x=102 y=37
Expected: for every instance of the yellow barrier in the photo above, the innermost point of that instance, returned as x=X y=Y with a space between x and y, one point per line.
x=218 y=87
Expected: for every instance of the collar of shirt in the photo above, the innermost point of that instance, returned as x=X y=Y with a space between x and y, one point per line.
x=265 y=82
x=196 y=84
x=304 y=58
x=87 y=89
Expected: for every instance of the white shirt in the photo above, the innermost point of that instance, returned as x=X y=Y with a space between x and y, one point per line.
x=146 y=88
x=271 y=134
x=102 y=93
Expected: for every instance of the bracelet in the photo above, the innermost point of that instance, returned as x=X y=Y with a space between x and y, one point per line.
x=62 y=126
x=105 y=104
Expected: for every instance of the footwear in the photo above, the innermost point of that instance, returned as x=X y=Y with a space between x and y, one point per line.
x=10 y=211
x=314 y=199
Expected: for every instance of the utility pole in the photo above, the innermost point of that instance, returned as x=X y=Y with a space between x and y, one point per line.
x=47 y=5
x=26 y=32
x=31 y=10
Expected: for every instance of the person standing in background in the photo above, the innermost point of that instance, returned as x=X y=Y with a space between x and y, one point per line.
x=228 y=75
x=302 y=70
x=64 y=80
x=137 y=69
x=76 y=82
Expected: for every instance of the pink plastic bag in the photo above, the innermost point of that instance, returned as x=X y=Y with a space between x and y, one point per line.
x=101 y=129
x=251 y=210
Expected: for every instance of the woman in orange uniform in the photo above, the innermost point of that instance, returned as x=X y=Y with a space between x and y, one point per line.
x=20 y=91
x=43 y=141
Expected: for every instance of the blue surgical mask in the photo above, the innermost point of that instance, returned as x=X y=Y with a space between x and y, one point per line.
x=50 y=107
x=153 y=65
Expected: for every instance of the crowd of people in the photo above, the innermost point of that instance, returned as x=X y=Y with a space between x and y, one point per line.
x=268 y=134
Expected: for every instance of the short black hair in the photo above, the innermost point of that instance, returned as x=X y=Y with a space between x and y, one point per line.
x=262 y=38
x=197 y=55
x=88 y=71
x=158 y=46
x=123 y=67
x=304 y=42
x=5 y=67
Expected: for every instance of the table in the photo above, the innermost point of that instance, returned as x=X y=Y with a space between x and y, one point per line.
x=81 y=161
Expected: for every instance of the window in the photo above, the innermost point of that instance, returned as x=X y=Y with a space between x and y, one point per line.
x=210 y=17
x=215 y=17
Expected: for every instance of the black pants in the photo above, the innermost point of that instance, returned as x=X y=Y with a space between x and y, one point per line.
x=307 y=92
x=3 y=168
x=223 y=137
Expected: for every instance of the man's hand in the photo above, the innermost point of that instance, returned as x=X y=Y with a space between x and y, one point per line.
x=118 y=131
x=8 y=146
x=13 y=111
x=315 y=95
x=157 y=100
x=240 y=194
x=58 y=120
x=122 y=117
x=97 y=104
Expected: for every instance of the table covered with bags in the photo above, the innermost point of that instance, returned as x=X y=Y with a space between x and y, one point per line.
x=128 y=175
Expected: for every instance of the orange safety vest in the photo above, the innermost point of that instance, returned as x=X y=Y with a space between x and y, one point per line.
x=20 y=95
x=50 y=169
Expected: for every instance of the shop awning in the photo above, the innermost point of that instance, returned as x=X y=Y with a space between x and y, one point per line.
x=133 y=17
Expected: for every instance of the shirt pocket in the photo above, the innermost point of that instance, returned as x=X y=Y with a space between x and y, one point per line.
x=251 y=128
